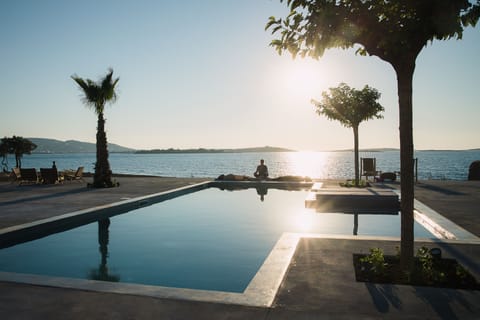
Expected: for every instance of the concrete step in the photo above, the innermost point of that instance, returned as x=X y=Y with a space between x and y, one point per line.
x=353 y=200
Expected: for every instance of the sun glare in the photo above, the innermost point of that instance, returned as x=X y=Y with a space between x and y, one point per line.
x=303 y=221
x=306 y=163
x=303 y=79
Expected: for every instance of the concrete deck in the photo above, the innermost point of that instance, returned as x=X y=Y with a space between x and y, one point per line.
x=319 y=283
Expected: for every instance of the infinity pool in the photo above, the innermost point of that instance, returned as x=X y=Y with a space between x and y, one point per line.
x=210 y=239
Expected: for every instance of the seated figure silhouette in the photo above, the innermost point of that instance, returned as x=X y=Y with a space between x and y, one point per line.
x=262 y=171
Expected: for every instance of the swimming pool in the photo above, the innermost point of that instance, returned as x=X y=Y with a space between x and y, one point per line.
x=210 y=240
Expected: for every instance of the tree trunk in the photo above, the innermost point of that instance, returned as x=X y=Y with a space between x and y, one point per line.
x=18 y=160
x=404 y=71
x=355 y=139
x=103 y=174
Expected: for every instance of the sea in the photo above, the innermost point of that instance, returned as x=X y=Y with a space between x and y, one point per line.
x=437 y=165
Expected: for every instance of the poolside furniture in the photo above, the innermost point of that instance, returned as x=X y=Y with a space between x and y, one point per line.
x=388 y=176
x=368 y=167
x=49 y=175
x=28 y=175
x=16 y=175
x=77 y=176
x=415 y=170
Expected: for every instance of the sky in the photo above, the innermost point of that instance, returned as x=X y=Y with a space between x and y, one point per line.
x=201 y=74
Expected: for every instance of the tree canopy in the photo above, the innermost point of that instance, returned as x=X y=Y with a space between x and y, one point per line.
x=350 y=106
x=96 y=95
x=15 y=145
x=389 y=30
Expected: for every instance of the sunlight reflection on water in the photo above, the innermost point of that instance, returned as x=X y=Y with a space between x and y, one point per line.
x=306 y=163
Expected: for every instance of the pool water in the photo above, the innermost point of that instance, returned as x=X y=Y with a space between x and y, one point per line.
x=211 y=240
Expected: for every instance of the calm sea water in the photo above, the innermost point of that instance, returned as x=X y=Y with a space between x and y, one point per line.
x=450 y=165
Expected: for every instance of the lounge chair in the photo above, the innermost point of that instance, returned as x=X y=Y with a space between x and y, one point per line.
x=28 y=175
x=16 y=176
x=368 y=167
x=78 y=175
x=49 y=175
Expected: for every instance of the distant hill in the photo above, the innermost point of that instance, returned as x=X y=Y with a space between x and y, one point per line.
x=369 y=150
x=203 y=150
x=71 y=146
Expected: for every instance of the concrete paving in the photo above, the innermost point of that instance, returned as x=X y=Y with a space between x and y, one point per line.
x=319 y=283
x=458 y=201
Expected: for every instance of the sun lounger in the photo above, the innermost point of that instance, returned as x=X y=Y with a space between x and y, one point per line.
x=49 y=175
x=28 y=175
x=368 y=167
x=16 y=176
x=78 y=176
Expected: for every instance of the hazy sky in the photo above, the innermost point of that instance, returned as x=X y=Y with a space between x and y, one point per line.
x=201 y=74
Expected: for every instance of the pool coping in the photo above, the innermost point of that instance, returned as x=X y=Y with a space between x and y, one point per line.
x=261 y=290
x=437 y=224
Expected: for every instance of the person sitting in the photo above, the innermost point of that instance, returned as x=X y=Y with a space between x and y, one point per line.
x=262 y=171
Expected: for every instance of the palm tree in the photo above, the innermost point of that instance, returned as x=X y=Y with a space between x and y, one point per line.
x=4 y=146
x=96 y=95
x=350 y=107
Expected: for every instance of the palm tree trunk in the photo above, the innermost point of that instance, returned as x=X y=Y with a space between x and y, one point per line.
x=103 y=174
x=355 y=138
x=405 y=71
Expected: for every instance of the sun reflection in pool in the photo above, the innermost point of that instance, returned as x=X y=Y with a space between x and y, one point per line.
x=303 y=221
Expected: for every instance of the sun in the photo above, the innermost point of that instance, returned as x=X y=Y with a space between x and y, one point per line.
x=303 y=78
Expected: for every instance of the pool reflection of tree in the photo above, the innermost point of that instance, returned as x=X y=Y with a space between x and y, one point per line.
x=356 y=214
x=101 y=273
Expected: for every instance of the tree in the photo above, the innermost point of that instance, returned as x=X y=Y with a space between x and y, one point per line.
x=17 y=146
x=395 y=31
x=350 y=107
x=4 y=153
x=96 y=95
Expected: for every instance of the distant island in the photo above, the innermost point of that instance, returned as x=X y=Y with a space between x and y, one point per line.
x=47 y=146
x=72 y=146
x=203 y=150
